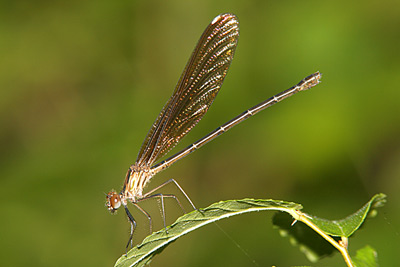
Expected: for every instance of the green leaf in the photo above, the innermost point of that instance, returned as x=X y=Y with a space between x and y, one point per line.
x=347 y=226
x=156 y=242
x=366 y=257
x=312 y=244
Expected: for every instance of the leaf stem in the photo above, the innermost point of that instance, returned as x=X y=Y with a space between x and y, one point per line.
x=341 y=246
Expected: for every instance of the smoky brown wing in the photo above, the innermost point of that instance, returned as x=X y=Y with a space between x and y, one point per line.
x=196 y=90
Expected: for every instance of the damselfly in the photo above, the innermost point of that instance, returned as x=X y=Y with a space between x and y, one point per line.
x=196 y=90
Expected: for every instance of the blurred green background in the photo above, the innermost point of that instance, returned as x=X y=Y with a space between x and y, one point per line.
x=82 y=81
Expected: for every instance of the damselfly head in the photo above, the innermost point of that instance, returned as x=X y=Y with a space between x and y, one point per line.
x=113 y=201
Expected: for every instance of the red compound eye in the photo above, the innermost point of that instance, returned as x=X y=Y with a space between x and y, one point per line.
x=113 y=201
